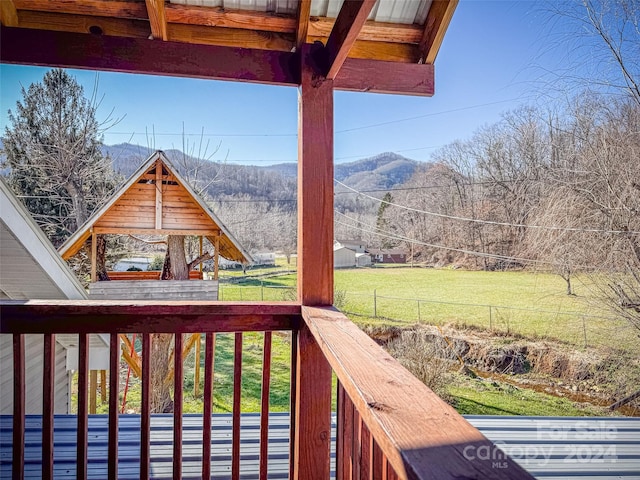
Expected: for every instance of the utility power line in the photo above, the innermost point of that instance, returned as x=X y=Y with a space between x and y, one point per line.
x=381 y=233
x=489 y=222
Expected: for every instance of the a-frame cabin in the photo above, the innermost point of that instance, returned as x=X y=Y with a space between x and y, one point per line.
x=156 y=200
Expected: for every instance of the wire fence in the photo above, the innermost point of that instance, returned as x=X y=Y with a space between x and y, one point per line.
x=577 y=328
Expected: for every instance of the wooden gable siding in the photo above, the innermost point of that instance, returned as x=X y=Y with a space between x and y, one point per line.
x=139 y=206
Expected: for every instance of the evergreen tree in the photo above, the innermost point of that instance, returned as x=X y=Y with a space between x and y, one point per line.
x=52 y=149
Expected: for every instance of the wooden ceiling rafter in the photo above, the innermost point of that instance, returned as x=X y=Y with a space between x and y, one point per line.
x=8 y=13
x=435 y=27
x=157 y=19
x=345 y=31
x=98 y=8
x=373 y=31
x=302 y=30
x=220 y=17
x=62 y=22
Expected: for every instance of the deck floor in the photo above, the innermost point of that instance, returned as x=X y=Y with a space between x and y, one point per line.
x=551 y=448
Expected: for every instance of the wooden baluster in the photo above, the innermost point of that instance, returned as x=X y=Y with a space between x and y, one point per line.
x=292 y=401
x=264 y=410
x=93 y=391
x=114 y=387
x=379 y=466
x=237 y=397
x=340 y=433
x=48 y=395
x=366 y=446
x=83 y=418
x=18 y=407
x=145 y=424
x=391 y=473
x=356 y=453
x=177 y=407
x=209 y=359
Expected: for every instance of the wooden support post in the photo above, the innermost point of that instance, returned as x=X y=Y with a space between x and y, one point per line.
x=158 y=195
x=196 y=373
x=312 y=437
x=103 y=386
x=315 y=183
x=93 y=388
x=94 y=256
x=200 y=253
x=216 y=257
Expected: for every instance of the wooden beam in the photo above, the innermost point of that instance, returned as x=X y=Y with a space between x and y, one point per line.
x=379 y=51
x=373 y=31
x=222 y=17
x=435 y=26
x=109 y=316
x=304 y=12
x=230 y=37
x=312 y=441
x=360 y=75
x=157 y=19
x=159 y=195
x=153 y=231
x=102 y=8
x=94 y=256
x=315 y=183
x=349 y=22
x=8 y=13
x=420 y=434
x=98 y=26
x=134 y=55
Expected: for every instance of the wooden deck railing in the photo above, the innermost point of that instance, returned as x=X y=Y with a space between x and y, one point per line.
x=389 y=424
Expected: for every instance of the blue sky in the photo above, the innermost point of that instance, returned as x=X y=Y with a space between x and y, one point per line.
x=490 y=61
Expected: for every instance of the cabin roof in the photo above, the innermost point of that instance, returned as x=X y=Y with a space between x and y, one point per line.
x=157 y=200
x=30 y=266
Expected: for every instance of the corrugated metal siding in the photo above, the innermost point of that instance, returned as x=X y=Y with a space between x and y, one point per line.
x=34 y=358
x=387 y=11
x=282 y=7
x=555 y=448
x=392 y=11
x=550 y=448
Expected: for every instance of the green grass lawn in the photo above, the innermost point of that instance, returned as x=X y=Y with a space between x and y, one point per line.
x=485 y=397
x=530 y=304
x=534 y=305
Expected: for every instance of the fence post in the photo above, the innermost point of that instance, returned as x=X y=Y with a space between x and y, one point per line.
x=584 y=331
x=375 y=304
x=490 y=319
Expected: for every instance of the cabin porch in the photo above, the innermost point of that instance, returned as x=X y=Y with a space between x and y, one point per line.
x=387 y=425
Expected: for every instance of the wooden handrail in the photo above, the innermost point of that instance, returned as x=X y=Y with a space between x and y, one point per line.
x=119 y=316
x=419 y=434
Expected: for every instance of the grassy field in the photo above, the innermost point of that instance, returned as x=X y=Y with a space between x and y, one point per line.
x=529 y=304
x=533 y=305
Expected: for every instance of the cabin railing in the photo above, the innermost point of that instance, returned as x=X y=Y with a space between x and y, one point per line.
x=389 y=425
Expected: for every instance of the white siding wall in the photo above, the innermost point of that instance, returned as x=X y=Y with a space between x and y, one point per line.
x=344 y=257
x=34 y=360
